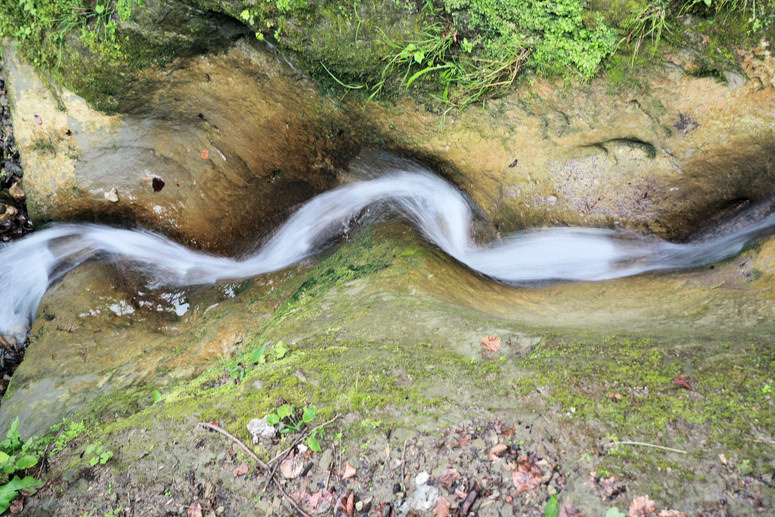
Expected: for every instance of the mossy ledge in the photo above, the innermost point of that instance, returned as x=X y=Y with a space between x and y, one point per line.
x=381 y=47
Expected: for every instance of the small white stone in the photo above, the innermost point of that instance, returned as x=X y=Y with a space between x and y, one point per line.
x=422 y=478
x=261 y=430
x=112 y=195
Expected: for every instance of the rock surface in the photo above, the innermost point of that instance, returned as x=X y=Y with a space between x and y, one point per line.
x=663 y=156
x=236 y=138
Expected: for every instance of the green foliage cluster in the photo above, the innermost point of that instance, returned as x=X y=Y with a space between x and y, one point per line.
x=291 y=419
x=476 y=47
x=655 y=18
x=556 y=32
x=16 y=457
x=44 y=28
x=97 y=453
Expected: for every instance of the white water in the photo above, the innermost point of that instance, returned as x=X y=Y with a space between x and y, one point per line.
x=435 y=207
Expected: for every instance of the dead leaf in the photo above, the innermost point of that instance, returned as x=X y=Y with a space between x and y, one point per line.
x=508 y=432
x=349 y=471
x=17 y=505
x=205 y=154
x=442 y=507
x=194 y=510
x=291 y=467
x=461 y=493
x=157 y=184
x=568 y=510
x=671 y=513
x=642 y=506
x=347 y=504
x=680 y=380
x=491 y=343
x=38 y=120
x=241 y=469
x=319 y=497
x=448 y=477
x=723 y=459
x=497 y=451
x=527 y=476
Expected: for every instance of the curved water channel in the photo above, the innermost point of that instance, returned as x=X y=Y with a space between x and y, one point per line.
x=441 y=213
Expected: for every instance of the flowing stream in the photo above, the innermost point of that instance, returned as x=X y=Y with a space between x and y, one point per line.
x=439 y=211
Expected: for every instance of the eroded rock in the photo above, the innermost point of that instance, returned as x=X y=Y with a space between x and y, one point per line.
x=238 y=138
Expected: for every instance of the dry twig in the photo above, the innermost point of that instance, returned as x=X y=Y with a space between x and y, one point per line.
x=224 y=432
x=609 y=445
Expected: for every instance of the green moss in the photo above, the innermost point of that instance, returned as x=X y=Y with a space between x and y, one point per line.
x=628 y=385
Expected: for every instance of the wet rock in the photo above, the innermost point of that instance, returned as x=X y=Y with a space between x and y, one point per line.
x=216 y=128
x=595 y=156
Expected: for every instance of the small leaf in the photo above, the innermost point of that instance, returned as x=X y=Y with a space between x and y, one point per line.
x=26 y=462
x=441 y=509
x=272 y=419
x=156 y=396
x=491 y=343
x=258 y=354
x=93 y=461
x=12 y=432
x=280 y=350
x=99 y=9
x=241 y=469
x=3 y=457
x=313 y=444
x=245 y=14
x=552 y=507
x=284 y=411
x=614 y=512
x=349 y=471
x=419 y=56
x=90 y=448
x=309 y=414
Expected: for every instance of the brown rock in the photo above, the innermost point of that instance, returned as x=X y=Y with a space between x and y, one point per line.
x=8 y=214
x=16 y=191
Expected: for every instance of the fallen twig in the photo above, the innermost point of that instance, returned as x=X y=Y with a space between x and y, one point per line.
x=258 y=461
x=403 y=465
x=290 y=499
x=609 y=445
x=224 y=432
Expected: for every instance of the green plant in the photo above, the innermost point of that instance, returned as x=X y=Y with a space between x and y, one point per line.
x=71 y=430
x=16 y=457
x=767 y=388
x=552 y=507
x=96 y=453
x=479 y=47
x=650 y=22
x=42 y=27
x=292 y=420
